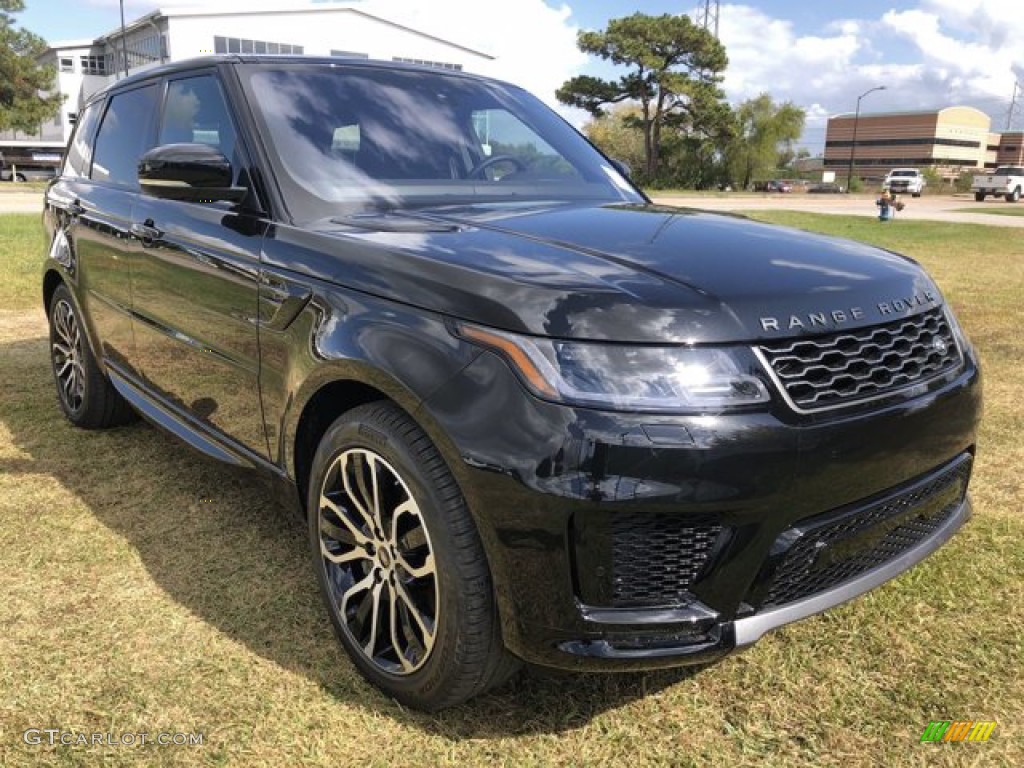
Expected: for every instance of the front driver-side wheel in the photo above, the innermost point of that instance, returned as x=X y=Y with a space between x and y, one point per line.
x=400 y=564
x=85 y=394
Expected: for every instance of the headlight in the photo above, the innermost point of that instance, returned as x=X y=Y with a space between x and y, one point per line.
x=627 y=377
x=966 y=348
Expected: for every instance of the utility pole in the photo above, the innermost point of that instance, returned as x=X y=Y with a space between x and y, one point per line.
x=707 y=16
x=1011 y=113
x=853 y=144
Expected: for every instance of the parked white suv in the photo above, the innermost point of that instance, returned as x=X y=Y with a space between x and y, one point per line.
x=905 y=180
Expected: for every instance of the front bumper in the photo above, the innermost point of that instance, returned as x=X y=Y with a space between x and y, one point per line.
x=551 y=487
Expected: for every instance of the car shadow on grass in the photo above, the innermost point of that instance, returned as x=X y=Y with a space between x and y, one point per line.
x=214 y=540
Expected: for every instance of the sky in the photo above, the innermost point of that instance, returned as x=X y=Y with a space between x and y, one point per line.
x=818 y=54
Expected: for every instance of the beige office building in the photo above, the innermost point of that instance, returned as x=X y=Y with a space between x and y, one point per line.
x=950 y=140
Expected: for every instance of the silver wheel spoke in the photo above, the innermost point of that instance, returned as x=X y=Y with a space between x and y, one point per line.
x=355 y=589
x=393 y=621
x=422 y=572
x=375 y=547
x=344 y=557
x=361 y=539
x=411 y=609
x=371 y=643
x=358 y=503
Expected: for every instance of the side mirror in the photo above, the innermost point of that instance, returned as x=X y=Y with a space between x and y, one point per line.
x=196 y=173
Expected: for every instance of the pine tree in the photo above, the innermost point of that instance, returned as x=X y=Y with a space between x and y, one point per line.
x=28 y=94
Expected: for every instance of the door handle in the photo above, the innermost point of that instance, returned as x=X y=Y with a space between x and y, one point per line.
x=146 y=232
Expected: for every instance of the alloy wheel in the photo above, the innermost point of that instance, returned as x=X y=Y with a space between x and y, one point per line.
x=67 y=356
x=379 y=561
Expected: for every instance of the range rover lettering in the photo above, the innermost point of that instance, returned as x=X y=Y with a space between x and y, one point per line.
x=526 y=414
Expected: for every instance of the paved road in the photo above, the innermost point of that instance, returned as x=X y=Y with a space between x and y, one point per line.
x=922 y=208
x=21 y=202
x=927 y=208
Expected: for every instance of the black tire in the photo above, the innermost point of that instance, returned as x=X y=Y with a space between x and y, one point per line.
x=915 y=194
x=84 y=393
x=979 y=197
x=1013 y=197
x=375 y=457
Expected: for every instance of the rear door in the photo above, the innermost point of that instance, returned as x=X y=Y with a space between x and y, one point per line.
x=94 y=199
x=195 y=285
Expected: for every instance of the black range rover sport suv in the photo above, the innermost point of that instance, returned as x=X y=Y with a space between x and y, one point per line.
x=526 y=414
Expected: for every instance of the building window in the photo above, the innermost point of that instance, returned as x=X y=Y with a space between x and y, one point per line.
x=350 y=54
x=238 y=45
x=1009 y=148
x=94 y=65
x=67 y=64
x=425 y=63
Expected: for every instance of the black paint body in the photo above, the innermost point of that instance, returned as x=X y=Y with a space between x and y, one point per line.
x=243 y=331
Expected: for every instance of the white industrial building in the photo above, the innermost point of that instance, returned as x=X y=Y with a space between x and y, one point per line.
x=184 y=32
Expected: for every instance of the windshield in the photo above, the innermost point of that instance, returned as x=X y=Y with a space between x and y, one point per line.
x=346 y=138
x=903 y=173
x=1009 y=172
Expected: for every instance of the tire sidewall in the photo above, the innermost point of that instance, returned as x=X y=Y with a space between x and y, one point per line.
x=352 y=430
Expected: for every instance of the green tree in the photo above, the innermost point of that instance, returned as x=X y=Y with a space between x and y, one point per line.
x=674 y=68
x=618 y=135
x=763 y=138
x=28 y=96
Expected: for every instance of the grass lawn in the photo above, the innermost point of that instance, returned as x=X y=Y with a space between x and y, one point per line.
x=147 y=589
x=1009 y=210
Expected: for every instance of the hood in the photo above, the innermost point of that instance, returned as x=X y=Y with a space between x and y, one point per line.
x=629 y=273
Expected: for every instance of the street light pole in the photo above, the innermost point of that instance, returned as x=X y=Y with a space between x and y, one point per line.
x=853 y=144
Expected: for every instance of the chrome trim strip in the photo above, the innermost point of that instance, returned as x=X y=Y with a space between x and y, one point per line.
x=750 y=629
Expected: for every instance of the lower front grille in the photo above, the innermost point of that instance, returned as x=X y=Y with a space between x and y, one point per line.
x=656 y=557
x=825 y=551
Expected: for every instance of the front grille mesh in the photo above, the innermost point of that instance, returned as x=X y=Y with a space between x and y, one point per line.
x=826 y=371
x=656 y=557
x=871 y=536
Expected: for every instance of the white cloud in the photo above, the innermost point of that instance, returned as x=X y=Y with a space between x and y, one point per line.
x=535 y=44
x=933 y=53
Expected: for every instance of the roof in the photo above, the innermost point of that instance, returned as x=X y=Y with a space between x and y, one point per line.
x=907 y=112
x=245 y=58
x=211 y=9
x=62 y=45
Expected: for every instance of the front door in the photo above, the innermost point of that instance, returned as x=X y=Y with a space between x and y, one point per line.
x=195 y=282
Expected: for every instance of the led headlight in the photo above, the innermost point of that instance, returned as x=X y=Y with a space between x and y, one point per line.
x=626 y=376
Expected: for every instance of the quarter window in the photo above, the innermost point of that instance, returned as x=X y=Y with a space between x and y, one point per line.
x=123 y=136
x=80 y=151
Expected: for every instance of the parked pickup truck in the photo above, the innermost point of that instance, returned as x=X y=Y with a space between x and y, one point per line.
x=1007 y=181
x=905 y=180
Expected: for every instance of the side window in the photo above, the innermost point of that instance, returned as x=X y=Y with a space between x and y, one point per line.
x=80 y=152
x=502 y=133
x=124 y=136
x=197 y=113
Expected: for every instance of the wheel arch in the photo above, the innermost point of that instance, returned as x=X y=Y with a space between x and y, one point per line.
x=52 y=279
x=331 y=398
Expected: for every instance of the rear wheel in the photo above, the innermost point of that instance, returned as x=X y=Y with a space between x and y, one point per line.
x=979 y=196
x=85 y=394
x=400 y=565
